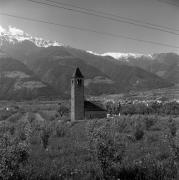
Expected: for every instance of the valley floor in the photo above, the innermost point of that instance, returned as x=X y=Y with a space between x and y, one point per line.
x=169 y=94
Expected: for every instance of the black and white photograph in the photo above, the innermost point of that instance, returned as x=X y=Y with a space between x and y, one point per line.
x=89 y=89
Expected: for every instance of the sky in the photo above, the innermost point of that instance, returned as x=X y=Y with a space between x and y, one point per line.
x=106 y=35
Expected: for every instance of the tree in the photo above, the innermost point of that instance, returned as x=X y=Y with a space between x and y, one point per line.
x=45 y=135
x=13 y=155
x=63 y=110
x=109 y=105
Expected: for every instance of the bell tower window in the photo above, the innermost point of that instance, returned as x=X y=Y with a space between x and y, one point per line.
x=79 y=81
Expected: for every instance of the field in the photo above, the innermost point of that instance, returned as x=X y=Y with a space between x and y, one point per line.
x=171 y=93
x=37 y=143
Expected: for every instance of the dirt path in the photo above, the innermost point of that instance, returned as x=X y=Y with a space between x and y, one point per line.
x=24 y=118
x=38 y=117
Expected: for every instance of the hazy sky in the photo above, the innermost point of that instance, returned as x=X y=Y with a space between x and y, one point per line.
x=153 y=11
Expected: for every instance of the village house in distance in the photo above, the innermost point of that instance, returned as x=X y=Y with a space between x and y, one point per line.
x=80 y=108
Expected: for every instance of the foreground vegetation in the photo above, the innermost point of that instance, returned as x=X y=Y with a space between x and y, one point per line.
x=162 y=108
x=45 y=145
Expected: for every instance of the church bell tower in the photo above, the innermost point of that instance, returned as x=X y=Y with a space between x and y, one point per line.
x=77 y=96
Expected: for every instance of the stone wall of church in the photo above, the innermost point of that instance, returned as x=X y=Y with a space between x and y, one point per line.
x=95 y=114
x=77 y=99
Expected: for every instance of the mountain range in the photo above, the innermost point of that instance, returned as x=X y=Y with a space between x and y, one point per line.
x=31 y=67
x=165 y=65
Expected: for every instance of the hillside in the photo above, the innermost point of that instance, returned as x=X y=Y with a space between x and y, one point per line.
x=165 y=65
x=49 y=62
x=54 y=65
x=18 y=82
x=58 y=71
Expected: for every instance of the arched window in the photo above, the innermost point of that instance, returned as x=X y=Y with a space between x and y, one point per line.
x=79 y=81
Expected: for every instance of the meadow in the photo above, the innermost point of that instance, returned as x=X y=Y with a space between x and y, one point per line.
x=36 y=142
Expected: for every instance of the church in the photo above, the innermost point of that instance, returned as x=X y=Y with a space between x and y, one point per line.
x=80 y=108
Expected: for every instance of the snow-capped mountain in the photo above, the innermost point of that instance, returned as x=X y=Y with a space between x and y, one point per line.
x=164 y=65
x=122 y=56
x=14 y=35
x=125 y=55
x=53 y=63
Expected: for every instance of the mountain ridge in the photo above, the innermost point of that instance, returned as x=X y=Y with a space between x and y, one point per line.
x=19 y=82
x=165 y=65
x=54 y=66
x=15 y=35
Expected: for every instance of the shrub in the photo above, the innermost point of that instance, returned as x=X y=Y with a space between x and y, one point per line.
x=138 y=133
x=5 y=114
x=31 y=117
x=45 y=135
x=149 y=122
x=23 y=130
x=152 y=138
x=12 y=130
x=61 y=130
x=170 y=108
x=110 y=155
x=15 y=117
x=109 y=149
x=13 y=155
x=22 y=135
x=172 y=127
x=147 y=169
x=63 y=110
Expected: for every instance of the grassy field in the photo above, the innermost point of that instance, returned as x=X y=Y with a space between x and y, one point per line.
x=38 y=144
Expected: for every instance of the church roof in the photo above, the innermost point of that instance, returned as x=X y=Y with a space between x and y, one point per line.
x=89 y=106
x=77 y=73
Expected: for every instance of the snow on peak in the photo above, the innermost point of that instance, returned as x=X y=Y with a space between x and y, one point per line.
x=2 y=30
x=121 y=56
x=14 y=31
x=14 y=35
x=91 y=52
x=124 y=55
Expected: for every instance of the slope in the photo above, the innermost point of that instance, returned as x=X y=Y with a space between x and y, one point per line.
x=18 y=82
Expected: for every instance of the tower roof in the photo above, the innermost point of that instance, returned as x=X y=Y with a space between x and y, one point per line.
x=77 y=73
x=91 y=106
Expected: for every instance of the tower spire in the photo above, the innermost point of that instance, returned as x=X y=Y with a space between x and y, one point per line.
x=77 y=73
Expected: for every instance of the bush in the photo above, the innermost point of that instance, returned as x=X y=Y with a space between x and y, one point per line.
x=14 y=118
x=172 y=127
x=152 y=137
x=21 y=132
x=5 y=114
x=149 y=122
x=63 y=110
x=45 y=135
x=147 y=169
x=170 y=108
x=61 y=130
x=13 y=155
x=12 y=130
x=31 y=117
x=108 y=150
x=111 y=155
x=96 y=149
x=138 y=133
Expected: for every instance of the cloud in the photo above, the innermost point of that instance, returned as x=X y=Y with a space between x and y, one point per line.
x=15 y=31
